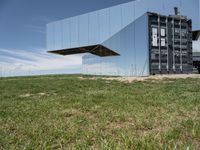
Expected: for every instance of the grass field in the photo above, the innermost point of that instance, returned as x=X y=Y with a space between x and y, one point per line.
x=65 y=112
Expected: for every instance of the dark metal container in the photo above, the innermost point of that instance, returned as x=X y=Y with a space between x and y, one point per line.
x=170 y=44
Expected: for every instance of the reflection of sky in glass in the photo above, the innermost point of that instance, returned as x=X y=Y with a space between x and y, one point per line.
x=196 y=46
x=98 y=26
x=115 y=28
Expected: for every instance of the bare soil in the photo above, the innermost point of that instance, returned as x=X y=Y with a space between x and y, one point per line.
x=155 y=77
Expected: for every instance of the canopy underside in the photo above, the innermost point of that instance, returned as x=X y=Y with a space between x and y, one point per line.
x=98 y=50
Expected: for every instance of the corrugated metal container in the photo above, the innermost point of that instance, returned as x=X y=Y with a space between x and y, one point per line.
x=170 y=44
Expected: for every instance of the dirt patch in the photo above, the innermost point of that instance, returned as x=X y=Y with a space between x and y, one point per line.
x=25 y=95
x=41 y=94
x=29 y=95
x=156 y=77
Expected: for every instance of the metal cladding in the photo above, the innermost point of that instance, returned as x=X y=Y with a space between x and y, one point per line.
x=121 y=40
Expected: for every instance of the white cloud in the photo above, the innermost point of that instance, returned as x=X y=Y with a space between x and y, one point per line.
x=14 y=62
x=37 y=28
x=43 y=19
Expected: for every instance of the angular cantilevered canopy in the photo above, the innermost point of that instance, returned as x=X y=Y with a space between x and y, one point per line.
x=195 y=35
x=98 y=50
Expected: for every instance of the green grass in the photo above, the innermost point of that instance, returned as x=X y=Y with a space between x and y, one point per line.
x=65 y=112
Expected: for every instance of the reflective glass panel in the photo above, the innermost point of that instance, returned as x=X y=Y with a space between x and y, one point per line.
x=94 y=26
x=84 y=29
x=66 y=33
x=104 y=24
x=74 y=32
x=58 y=35
x=115 y=19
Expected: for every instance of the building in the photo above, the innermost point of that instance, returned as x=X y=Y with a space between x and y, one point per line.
x=124 y=40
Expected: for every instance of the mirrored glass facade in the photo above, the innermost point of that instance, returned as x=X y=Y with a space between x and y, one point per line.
x=121 y=28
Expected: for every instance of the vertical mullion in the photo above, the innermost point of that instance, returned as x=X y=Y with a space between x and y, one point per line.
x=173 y=44
x=181 y=56
x=159 y=43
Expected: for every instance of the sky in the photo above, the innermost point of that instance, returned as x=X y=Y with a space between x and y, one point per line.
x=23 y=34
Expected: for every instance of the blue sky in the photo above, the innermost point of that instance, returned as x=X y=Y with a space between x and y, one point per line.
x=23 y=34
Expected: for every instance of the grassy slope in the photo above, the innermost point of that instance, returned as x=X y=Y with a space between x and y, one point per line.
x=52 y=112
